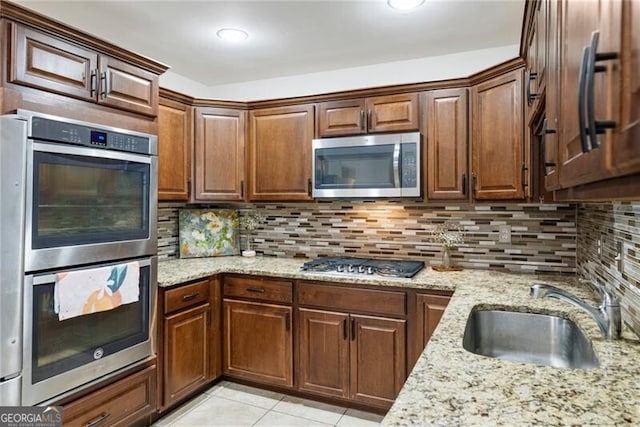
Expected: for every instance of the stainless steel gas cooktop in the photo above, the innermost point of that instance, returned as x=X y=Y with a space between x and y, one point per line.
x=364 y=266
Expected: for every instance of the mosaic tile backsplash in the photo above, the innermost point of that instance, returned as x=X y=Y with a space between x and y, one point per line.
x=543 y=237
x=608 y=249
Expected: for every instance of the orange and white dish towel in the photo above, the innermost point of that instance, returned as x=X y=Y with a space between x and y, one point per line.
x=97 y=289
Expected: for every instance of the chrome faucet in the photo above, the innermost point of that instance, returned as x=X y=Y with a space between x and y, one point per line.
x=607 y=314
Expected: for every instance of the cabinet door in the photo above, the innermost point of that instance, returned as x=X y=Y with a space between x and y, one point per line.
x=446 y=133
x=280 y=153
x=186 y=352
x=258 y=342
x=430 y=309
x=219 y=154
x=393 y=113
x=52 y=64
x=127 y=87
x=498 y=138
x=549 y=148
x=579 y=164
x=174 y=150
x=623 y=154
x=378 y=359
x=337 y=118
x=122 y=403
x=324 y=352
x=541 y=45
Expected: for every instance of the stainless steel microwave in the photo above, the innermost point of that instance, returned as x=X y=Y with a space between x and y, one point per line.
x=386 y=165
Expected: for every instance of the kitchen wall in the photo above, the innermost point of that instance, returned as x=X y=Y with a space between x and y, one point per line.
x=543 y=237
x=617 y=227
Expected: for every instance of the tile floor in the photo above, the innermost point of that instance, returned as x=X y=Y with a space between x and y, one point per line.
x=234 y=405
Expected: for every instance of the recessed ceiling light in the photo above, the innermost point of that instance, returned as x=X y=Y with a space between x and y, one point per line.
x=404 y=5
x=232 y=34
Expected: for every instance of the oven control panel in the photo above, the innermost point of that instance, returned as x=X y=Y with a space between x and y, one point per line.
x=90 y=136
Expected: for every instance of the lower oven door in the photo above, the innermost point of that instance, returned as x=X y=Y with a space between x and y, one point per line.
x=63 y=355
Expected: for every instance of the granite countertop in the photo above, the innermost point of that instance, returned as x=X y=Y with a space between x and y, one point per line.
x=450 y=386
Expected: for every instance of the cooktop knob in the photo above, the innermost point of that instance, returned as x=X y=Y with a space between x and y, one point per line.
x=350 y=268
x=340 y=268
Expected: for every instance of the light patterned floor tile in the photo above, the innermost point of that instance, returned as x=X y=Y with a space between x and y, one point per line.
x=180 y=411
x=277 y=419
x=250 y=395
x=355 y=418
x=216 y=411
x=310 y=410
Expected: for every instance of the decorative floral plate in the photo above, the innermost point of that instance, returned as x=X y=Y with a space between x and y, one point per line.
x=207 y=233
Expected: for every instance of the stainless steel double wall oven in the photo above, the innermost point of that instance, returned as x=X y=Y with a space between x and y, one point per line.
x=75 y=196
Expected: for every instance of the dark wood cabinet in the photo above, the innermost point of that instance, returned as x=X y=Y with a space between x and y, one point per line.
x=378 y=359
x=258 y=337
x=126 y=402
x=388 y=113
x=592 y=97
x=498 y=138
x=345 y=353
x=190 y=337
x=429 y=311
x=186 y=351
x=279 y=155
x=219 y=166
x=339 y=118
x=324 y=352
x=579 y=163
x=58 y=65
x=175 y=139
x=445 y=127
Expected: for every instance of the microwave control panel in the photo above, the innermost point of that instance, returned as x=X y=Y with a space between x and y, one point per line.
x=409 y=166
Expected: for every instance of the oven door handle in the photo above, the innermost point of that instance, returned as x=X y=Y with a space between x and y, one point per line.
x=51 y=278
x=396 y=166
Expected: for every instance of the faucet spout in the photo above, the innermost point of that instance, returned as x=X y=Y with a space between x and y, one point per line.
x=606 y=315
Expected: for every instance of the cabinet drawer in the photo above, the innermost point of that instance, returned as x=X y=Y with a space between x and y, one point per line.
x=186 y=296
x=257 y=289
x=353 y=299
x=119 y=404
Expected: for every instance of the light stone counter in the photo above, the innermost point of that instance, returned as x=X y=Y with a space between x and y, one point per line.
x=450 y=386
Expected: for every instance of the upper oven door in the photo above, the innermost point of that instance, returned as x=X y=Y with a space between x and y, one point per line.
x=85 y=205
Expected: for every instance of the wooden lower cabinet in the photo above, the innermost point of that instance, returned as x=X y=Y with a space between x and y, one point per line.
x=258 y=342
x=123 y=403
x=186 y=351
x=362 y=358
x=430 y=309
x=190 y=339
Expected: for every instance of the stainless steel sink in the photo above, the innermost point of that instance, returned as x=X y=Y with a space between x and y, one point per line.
x=540 y=339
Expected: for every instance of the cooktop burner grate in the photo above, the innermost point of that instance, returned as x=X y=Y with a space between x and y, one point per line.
x=364 y=266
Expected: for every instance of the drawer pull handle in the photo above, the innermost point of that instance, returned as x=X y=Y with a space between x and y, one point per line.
x=259 y=290
x=97 y=421
x=190 y=296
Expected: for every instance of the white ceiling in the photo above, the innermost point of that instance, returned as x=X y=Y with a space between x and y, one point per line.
x=289 y=37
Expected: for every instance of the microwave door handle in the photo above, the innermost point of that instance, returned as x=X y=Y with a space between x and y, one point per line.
x=396 y=165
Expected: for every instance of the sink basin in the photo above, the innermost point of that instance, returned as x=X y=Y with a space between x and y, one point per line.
x=540 y=339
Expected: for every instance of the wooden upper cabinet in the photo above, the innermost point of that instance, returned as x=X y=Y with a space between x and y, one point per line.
x=542 y=22
x=389 y=113
x=393 y=113
x=219 y=167
x=175 y=137
x=280 y=153
x=581 y=161
x=550 y=132
x=58 y=65
x=623 y=153
x=498 y=138
x=446 y=124
x=47 y=62
x=347 y=117
x=127 y=87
